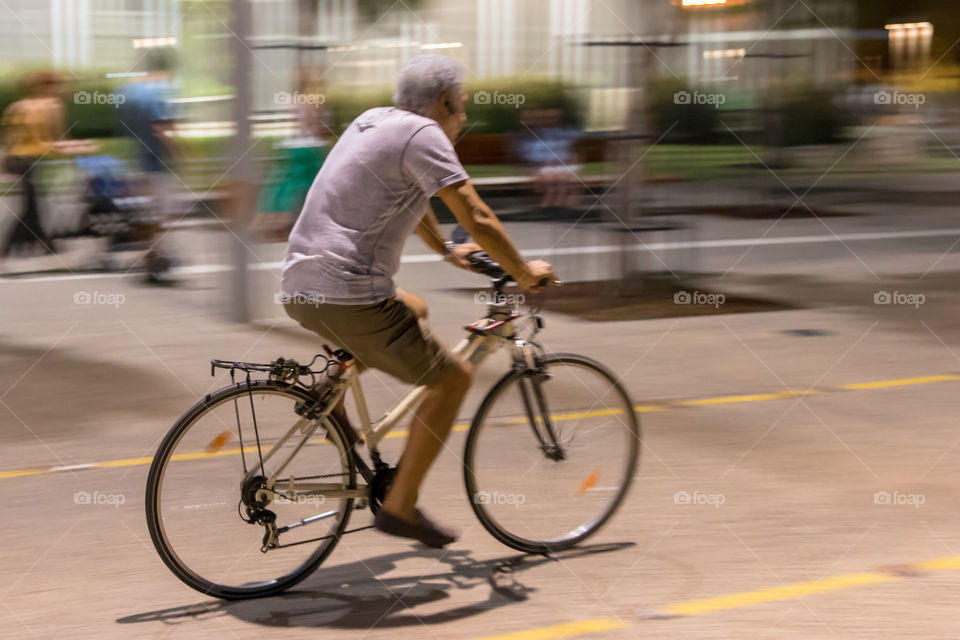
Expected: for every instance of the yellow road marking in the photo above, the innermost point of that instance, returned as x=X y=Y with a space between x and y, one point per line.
x=940 y=564
x=773 y=594
x=568 y=630
x=881 y=384
x=736 y=600
x=801 y=589
x=129 y=462
x=756 y=397
x=19 y=473
x=717 y=400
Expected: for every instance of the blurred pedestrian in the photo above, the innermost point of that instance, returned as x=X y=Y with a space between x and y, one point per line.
x=300 y=158
x=147 y=118
x=548 y=147
x=32 y=127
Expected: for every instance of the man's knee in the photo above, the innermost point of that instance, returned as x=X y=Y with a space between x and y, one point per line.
x=414 y=302
x=456 y=378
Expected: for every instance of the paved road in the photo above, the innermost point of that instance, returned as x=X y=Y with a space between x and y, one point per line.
x=798 y=475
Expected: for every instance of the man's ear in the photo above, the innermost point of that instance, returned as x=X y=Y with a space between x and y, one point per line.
x=447 y=101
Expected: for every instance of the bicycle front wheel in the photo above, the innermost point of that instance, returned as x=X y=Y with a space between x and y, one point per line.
x=551 y=453
x=197 y=497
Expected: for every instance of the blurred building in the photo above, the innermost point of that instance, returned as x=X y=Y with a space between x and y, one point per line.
x=80 y=34
x=729 y=45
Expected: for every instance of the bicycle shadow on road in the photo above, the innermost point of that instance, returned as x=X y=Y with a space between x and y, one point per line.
x=353 y=597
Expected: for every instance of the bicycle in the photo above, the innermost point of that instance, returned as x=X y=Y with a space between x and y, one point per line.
x=536 y=474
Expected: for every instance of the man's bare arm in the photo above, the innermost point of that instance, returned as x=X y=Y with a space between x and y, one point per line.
x=429 y=231
x=481 y=223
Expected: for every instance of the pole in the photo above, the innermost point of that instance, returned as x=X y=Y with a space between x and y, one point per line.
x=238 y=305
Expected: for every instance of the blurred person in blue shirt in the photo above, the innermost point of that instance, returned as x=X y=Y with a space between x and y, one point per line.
x=147 y=118
x=548 y=147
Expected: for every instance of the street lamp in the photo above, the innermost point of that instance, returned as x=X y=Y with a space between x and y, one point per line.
x=909 y=42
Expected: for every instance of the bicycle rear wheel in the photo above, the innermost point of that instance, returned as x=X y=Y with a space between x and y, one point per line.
x=196 y=495
x=551 y=453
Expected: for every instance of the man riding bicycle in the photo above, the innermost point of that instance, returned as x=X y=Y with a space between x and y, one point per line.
x=372 y=193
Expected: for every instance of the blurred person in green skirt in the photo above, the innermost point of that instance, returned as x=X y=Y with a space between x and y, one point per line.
x=299 y=159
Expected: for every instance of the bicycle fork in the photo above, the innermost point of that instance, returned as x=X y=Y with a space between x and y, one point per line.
x=535 y=402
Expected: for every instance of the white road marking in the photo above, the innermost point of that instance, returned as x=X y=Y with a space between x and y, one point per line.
x=200 y=269
x=71 y=467
x=204 y=506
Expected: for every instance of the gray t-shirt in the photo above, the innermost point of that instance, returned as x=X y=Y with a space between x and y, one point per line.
x=365 y=202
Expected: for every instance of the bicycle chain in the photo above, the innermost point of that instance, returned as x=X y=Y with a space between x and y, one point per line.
x=332 y=535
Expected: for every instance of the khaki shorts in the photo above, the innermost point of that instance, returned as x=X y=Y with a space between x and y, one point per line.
x=385 y=335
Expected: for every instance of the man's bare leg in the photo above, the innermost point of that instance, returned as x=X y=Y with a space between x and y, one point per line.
x=432 y=422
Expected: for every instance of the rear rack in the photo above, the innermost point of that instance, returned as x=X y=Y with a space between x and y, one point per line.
x=281 y=369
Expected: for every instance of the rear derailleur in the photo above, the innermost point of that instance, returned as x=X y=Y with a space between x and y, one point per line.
x=254 y=499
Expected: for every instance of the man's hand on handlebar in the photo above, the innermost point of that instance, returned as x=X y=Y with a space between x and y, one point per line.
x=536 y=275
x=458 y=256
x=539 y=274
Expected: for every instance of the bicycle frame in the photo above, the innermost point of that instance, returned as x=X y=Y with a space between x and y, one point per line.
x=486 y=336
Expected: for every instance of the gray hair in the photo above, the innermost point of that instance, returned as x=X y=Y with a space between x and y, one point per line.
x=424 y=78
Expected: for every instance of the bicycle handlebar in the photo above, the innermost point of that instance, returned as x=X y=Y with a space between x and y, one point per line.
x=482 y=263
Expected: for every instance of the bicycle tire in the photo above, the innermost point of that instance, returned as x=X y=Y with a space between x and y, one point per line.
x=155 y=480
x=490 y=400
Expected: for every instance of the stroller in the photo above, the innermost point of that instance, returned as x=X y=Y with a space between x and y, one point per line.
x=112 y=210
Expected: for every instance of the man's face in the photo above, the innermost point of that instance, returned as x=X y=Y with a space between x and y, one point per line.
x=453 y=113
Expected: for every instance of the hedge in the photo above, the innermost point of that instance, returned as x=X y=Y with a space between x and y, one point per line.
x=506 y=101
